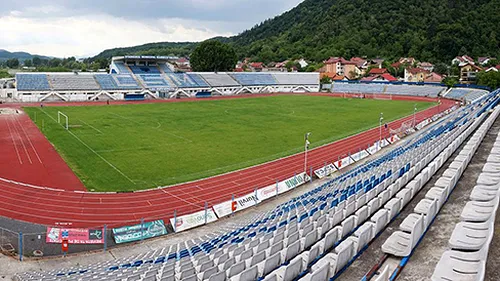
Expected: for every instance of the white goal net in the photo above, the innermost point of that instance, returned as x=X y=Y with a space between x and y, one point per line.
x=64 y=118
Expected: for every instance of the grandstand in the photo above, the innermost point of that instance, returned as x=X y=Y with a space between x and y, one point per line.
x=153 y=77
x=319 y=234
x=466 y=94
x=389 y=89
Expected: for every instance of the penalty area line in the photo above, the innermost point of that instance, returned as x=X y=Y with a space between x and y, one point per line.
x=93 y=151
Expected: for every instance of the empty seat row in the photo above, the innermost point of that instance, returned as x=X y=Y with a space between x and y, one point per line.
x=470 y=240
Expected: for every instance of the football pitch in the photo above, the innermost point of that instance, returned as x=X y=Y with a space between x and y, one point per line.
x=141 y=146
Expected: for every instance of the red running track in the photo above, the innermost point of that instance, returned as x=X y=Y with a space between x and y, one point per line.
x=78 y=208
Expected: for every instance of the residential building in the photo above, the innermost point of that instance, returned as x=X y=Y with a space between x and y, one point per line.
x=256 y=66
x=415 y=74
x=342 y=67
x=302 y=63
x=426 y=65
x=484 y=60
x=462 y=60
x=385 y=77
x=493 y=68
x=377 y=71
x=468 y=73
x=433 y=78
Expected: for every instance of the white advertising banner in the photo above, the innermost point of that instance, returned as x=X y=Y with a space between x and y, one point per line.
x=360 y=155
x=226 y=208
x=267 y=192
x=325 y=171
x=394 y=138
x=293 y=182
x=342 y=163
x=193 y=220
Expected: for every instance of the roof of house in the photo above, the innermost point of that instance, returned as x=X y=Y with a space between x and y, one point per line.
x=425 y=64
x=475 y=67
x=389 y=77
x=257 y=64
x=396 y=64
x=433 y=77
x=378 y=70
x=416 y=70
x=182 y=60
x=369 y=78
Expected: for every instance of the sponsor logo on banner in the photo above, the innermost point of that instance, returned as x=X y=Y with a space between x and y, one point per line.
x=373 y=149
x=325 y=171
x=193 y=220
x=267 y=192
x=293 y=182
x=241 y=203
x=139 y=231
x=75 y=235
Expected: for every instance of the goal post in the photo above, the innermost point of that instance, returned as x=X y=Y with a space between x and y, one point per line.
x=66 y=119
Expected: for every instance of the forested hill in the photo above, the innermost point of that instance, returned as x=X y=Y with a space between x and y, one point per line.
x=317 y=29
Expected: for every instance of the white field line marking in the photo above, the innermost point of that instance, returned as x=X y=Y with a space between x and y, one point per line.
x=92 y=150
x=14 y=142
x=29 y=140
x=22 y=141
x=139 y=123
x=97 y=130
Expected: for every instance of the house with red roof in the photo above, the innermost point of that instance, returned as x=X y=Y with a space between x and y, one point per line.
x=484 y=60
x=462 y=60
x=256 y=66
x=426 y=65
x=415 y=74
x=385 y=77
x=377 y=71
x=342 y=67
x=493 y=68
x=434 y=78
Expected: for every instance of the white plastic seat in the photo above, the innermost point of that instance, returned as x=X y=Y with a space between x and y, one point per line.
x=409 y=222
x=291 y=271
x=250 y=274
x=347 y=226
x=268 y=265
x=475 y=211
x=457 y=265
x=400 y=243
x=394 y=207
x=362 y=236
x=469 y=236
x=379 y=220
x=483 y=193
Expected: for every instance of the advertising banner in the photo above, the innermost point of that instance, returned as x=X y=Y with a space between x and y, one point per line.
x=342 y=163
x=360 y=155
x=139 y=231
x=75 y=235
x=241 y=203
x=325 y=171
x=193 y=220
x=267 y=192
x=293 y=182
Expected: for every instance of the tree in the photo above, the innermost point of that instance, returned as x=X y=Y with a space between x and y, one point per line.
x=450 y=81
x=441 y=68
x=325 y=80
x=28 y=63
x=37 y=61
x=13 y=63
x=490 y=79
x=213 y=55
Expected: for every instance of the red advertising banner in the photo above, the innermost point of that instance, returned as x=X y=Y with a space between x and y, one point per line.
x=75 y=235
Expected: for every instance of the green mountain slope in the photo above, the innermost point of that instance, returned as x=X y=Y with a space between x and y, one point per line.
x=317 y=29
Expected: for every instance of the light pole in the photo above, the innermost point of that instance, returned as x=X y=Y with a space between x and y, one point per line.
x=415 y=115
x=380 y=129
x=306 y=147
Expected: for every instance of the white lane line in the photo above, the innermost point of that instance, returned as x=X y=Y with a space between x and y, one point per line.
x=92 y=150
x=22 y=141
x=29 y=140
x=14 y=143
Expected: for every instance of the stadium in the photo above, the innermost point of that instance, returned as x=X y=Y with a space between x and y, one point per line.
x=95 y=161
x=264 y=155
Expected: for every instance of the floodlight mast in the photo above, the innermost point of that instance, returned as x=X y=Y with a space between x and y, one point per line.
x=306 y=147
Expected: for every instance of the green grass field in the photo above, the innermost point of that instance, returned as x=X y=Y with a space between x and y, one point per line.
x=133 y=147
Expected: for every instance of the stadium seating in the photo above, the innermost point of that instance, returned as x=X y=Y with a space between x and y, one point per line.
x=78 y=82
x=313 y=236
x=297 y=78
x=470 y=241
x=165 y=68
x=254 y=79
x=122 y=68
x=198 y=79
x=390 y=89
x=358 y=88
x=182 y=80
x=220 y=79
x=153 y=81
x=144 y=69
x=32 y=82
x=116 y=82
x=470 y=95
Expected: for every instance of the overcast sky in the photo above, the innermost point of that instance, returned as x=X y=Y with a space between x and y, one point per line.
x=86 y=27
